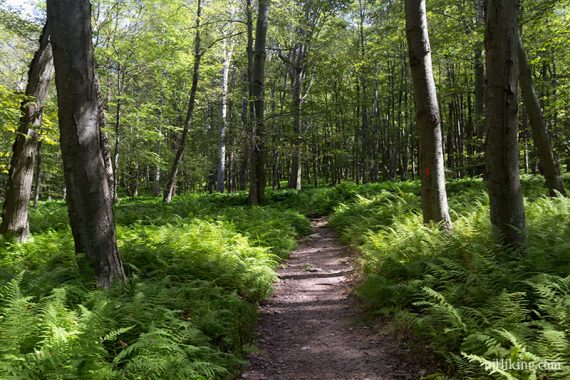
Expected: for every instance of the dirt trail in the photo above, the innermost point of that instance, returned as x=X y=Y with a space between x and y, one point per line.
x=309 y=328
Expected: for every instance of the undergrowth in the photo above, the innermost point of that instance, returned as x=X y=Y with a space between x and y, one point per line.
x=197 y=269
x=475 y=304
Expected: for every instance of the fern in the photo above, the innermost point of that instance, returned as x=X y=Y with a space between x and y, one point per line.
x=473 y=301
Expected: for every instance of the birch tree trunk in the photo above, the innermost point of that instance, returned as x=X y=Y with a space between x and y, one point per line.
x=221 y=171
x=89 y=203
x=434 y=196
x=501 y=108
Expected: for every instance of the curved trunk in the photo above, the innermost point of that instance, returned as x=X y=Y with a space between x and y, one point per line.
x=15 y=213
x=538 y=126
x=169 y=192
x=88 y=197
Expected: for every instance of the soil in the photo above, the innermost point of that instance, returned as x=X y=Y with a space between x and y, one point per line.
x=312 y=327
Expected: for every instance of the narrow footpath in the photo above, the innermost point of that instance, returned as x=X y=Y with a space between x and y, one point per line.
x=310 y=328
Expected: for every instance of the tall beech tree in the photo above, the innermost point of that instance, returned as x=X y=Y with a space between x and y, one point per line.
x=538 y=126
x=501 y=116
x=171 y=185
x=88 y=197
x=434 y=196
x=258 y=153
x=15 y=213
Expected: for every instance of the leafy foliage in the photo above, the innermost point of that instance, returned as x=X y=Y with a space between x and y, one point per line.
x=196 y=270
x=474 y=302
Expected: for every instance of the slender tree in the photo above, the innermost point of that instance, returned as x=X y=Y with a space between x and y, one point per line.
x=15 y=213
x=257 y=179
x=221 y=171
x=501 y=108
x=538 y=126
x=171 y=184
x=38 y=174
x=434 y=196
x=88 y=197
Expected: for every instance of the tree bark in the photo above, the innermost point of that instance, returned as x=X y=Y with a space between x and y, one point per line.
x=157 y=171
x=88 y=199
x=434 y=196
x=479 y=77
x=38 y=174
x=538 y=126
x=257 y=181
x=15 y=213
x=104 y=141
x=296 y=68
x=221 y=171
x=117 y=127
x=501 y=108
x=169 y=191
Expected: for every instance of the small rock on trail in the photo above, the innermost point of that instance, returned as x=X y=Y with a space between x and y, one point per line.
x=309 y=328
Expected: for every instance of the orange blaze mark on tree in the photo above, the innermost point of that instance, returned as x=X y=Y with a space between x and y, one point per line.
x=427 y=171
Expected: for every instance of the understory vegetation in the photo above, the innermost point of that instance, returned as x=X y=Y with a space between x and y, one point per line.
x=473 y=302
x=196 y=271
x=198 y=267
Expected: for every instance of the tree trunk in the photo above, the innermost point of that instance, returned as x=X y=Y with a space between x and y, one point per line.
x=221 y=171
x=169 y=192
x=89 y=203
x=117 y=152
x=501 y=108
x=434 y=197
x=538 y=126
x=257 y=181
x=15 y=213
x=244 y=166
x=156 y=174
x=38 y=174
x=296 y=69
x=104 y=140
x=479 y=77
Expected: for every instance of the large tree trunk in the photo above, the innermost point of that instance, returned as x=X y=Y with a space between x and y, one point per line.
x=434 y=197
x=15 y=220
x=88 y=198
x=257 y=164
x=169 y=191
x=221 y=171
x=538 y=126
x=501 y=107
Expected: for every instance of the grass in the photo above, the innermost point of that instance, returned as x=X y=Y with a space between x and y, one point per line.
x=197 y=269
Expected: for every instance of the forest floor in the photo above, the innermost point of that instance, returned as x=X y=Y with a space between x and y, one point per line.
x=313 y=327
